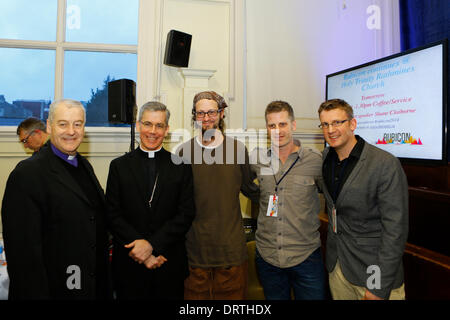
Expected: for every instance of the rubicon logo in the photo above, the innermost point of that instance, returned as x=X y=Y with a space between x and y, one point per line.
x=399 y=138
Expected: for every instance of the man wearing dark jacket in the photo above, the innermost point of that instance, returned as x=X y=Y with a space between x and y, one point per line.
x=150 y=209
x=366 y=192
x=53 y=215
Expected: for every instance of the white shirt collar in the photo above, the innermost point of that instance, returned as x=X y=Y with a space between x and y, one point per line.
x=151 y=154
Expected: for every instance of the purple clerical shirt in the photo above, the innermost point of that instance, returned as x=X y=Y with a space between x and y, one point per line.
x=69 y=159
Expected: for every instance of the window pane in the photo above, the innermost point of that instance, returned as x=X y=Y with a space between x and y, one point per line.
x=28 y=20
x=86 y=77
x=26 y=84
x=102 y=21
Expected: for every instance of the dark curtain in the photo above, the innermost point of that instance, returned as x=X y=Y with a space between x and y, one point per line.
x=423 y=22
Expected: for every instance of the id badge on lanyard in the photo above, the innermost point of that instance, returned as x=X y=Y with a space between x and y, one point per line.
x=334 y=219
x=272 y=208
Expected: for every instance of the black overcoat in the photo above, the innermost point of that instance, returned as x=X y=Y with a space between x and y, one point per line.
x=164 y=224
x=56 y=241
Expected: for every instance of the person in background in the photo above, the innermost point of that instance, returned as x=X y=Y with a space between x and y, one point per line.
x=366 y=192
x=216 y=242
x=53 y=215
x=288 y=253
x=150 y=209
x=32 y=133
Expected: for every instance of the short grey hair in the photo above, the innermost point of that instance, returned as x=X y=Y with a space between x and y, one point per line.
x=69 y=103
x=154 y=106
x=31 y=124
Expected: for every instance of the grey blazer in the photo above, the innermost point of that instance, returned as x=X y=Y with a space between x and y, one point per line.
x=372 y=221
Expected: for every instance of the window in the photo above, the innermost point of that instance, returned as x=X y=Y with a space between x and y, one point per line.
x=52 y=49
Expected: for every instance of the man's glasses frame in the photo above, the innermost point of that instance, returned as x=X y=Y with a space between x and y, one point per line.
x=148 y=125
x=210 y=113
x=335 y=123
x=25 y=140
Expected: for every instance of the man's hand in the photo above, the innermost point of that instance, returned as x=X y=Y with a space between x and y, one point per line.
x=154 y=262
x=141 y=250
x=370 y=296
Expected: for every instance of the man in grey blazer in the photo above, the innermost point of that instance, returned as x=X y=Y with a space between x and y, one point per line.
x=367 y=203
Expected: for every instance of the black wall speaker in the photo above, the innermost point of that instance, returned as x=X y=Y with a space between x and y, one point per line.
x=178 y=47
x=122 y=101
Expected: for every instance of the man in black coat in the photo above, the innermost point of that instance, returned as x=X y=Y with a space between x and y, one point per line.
x=150 y=209
x=53 y=215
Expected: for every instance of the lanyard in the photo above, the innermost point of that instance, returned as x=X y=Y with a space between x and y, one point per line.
x=341 y=173
x=153 y=192
x=284 y=175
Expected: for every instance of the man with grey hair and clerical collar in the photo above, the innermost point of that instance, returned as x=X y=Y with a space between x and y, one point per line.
x=150 y=209
x=53 y=215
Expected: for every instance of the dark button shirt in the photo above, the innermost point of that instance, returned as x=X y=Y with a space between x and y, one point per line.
x=149 y=166
x=336 y=172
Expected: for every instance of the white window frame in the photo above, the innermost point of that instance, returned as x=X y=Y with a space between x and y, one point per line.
x=147 y=54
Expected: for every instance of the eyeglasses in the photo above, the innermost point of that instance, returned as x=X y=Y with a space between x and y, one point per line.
x=148 y=125
x=210 y=113
x=335 y=123
x=25 y=140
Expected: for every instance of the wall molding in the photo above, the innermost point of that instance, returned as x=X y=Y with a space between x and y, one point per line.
x=231 y=92
x=97 y=142
x=114 y=142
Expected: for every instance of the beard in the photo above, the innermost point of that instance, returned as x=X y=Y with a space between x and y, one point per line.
x=205 y=130
x=209 y=134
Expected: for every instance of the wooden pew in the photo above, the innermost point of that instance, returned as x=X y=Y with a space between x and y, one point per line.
x=427 y=273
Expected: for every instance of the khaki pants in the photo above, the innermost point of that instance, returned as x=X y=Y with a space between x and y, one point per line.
x=341 y=289
x=221 y=283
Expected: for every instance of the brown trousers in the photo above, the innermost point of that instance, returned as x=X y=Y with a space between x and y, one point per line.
x=221 y=283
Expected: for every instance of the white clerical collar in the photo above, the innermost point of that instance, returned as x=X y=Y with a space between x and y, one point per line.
x=151 y=154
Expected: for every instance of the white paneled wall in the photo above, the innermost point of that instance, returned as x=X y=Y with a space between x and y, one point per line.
x=292 y=45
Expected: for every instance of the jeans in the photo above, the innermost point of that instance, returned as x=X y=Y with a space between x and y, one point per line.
x=307 y=279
